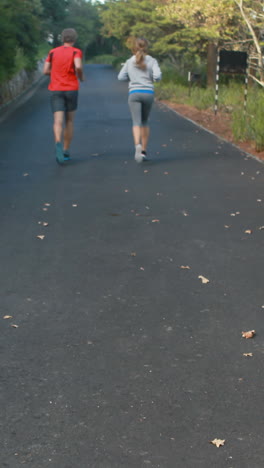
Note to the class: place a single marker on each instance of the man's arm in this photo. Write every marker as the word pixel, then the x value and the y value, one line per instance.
pixel 79 68
pixel 46 68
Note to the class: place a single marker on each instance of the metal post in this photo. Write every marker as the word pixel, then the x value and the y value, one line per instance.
pixel 217 82
pixel 189 82
pixel 246 92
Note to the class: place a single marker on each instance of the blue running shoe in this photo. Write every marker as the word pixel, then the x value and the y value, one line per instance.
pixel 59 153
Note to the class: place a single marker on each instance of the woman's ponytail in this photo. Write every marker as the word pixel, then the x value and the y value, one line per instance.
pixel 140 51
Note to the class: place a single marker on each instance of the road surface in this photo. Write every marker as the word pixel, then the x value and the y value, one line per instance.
pixel 122 357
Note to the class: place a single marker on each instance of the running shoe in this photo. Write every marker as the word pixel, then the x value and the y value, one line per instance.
pixel 144 156
pixel 138 154
pixel 59 153
pixel 67 155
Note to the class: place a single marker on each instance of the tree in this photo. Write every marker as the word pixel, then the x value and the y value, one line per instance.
pixel 20 31
pixel 253 17
pixel 53 16
pixel 125 18
pixel 83 16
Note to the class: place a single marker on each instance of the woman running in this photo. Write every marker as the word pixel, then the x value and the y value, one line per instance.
pixel 141 70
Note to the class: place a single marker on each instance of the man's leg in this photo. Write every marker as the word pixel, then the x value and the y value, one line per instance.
pixel 58 125
pixel 68 130
pixel 58 129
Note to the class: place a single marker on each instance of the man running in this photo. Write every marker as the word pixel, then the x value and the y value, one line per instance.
pixel 64 65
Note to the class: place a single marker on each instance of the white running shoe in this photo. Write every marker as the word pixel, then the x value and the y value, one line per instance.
pixel 138 155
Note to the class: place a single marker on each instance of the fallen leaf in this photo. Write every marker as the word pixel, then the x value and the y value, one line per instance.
pixel 26 174
pixel 145 171
pixel 166 173
pixel 47 204
pixel 95 154
pixel 232 214
pixel 45 224
pixel 218 442
pixel 203 279
pixel 45 209
pixel 142 268
pixel 126 190
pixel 259 200
pixel 133 254
pixel 13 325
pixel 248 354
pixel 159 194
pixel 74 205
pixel 252 178
pixel 155 221
pixel 242 173
pixel 40 236
pixel 184 212
pixel 248 334
pixel 248 231
pixel 237 212
pixel 226 226
pixel 164 145
pixel 261 228
pixel 6 317
pixel 185 267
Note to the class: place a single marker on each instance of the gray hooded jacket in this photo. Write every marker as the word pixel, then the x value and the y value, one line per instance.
pixel 138 78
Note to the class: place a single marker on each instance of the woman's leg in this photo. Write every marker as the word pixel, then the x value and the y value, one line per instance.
pixel 144 137
pixel 146 108
pixel 135 109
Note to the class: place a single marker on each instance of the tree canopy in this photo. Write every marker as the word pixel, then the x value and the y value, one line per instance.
pixel 24 24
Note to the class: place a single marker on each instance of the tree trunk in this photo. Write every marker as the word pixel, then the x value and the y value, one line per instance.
pixel 211 63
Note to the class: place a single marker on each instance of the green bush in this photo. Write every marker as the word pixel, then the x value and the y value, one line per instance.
pixel 245 126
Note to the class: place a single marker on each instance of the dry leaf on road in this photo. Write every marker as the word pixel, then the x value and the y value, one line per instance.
pixel 40 236
pixel 155 221
pixel 6 317
pixel 47 204
pixel 248 231
pixel 133 254
pixel 14 326
pixel 218 442
pixel 185 267
pixel 248 334
pixel 203 279
pixel 248 354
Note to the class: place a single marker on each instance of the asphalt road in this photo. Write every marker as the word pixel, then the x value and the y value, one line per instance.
pixel 121 358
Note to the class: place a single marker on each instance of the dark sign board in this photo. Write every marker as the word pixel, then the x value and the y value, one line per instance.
pixel 233 62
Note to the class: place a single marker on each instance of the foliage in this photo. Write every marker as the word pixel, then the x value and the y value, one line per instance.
pixel 83 16
pixel 20 30
pixel 245 126
pixel 53 15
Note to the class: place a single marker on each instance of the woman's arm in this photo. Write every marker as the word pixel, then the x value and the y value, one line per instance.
pixel 156 71
pixel 123 74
